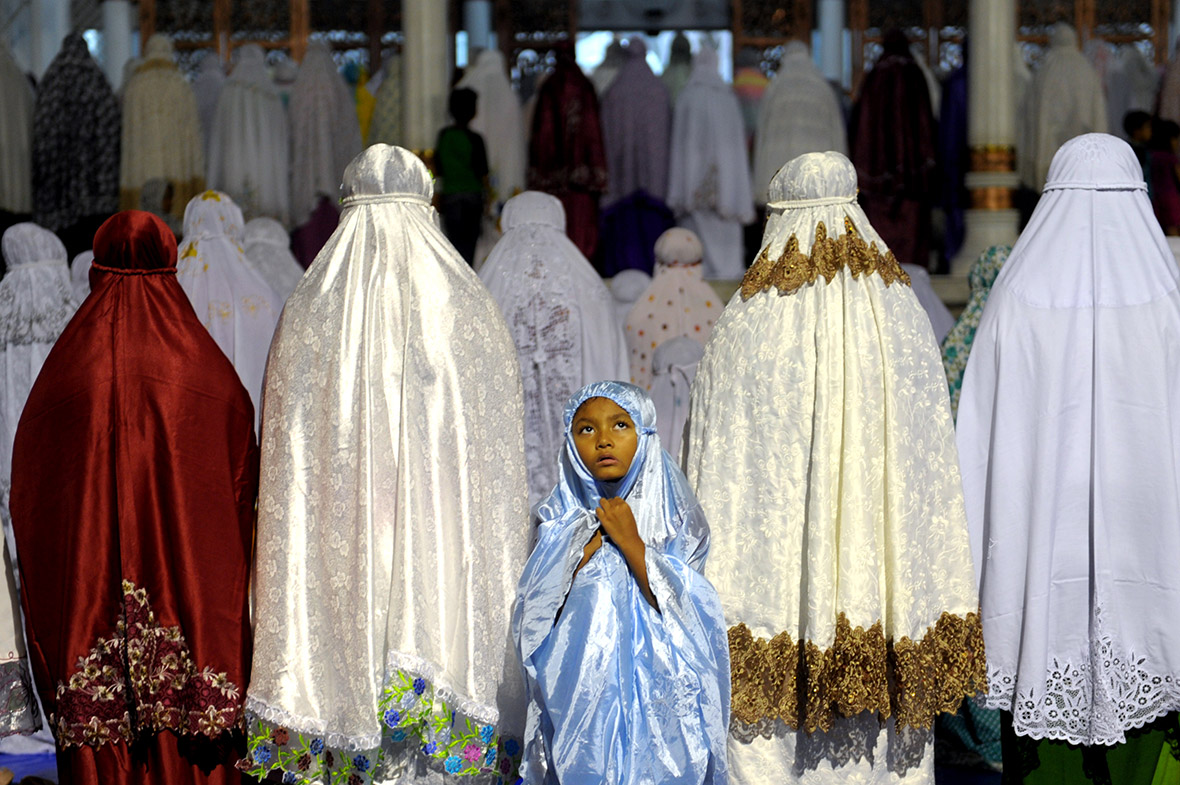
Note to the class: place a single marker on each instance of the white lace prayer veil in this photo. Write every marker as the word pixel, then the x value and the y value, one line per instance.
pixel 562 321
pixel 821 396
pixel 268 249
pixel 626 287
pixel 1068 426
pixel 393 517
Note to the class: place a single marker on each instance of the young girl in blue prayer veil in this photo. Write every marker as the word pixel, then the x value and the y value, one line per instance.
pixel 622 641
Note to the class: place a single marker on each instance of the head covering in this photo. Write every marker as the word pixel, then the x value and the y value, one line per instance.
pixel 80 275
pixel 679 68
pixel 268 250
pixel 16 136
pixel 820 444
pixel 1067 434
pixel 626 288
pixel 956 346
pixel 1064 100
pixel 500 121
pixel 799 114
pixel 892 142
pixel 75 140
pixel 674 366
pixel 677 303
pixel 133 505
pixel 394 461
pixel 709 182
pixel 636 127
pixel 207 85
pixel 562 321
pixel 234 302
pixel 161 130
pixel 606 71
pixel 1130 82
pixel 630 228
pixel 595 654
pixel 566 156
pixel 940 316
pixel 249 149
pixel 325 134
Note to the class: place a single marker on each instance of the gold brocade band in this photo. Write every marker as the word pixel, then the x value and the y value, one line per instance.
pixel 808 687
pixel 793 269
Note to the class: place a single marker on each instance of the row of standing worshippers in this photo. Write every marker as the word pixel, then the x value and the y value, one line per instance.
pixel 162 140
pixel 822 479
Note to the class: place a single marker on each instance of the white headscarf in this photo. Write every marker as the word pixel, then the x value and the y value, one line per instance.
pixel 392 514
pixel 799 114
pixel 674 366
pixel 16 136
pixel 268 250
pixel 207 88
pixel 36 303
pixel 561 317
pixel 249 149
pixel 821 447
pixel 1064 100
pixel 161 129
pixel 1068 430
pixel 625 288
pixel 709 171
pixel 678 303
pixel 80 275
pixel 235 303
pixel 500 121
pixel 325 133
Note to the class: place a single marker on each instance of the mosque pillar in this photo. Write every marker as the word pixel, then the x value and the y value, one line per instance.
pixel 831 39
pixel 992 218
pixel 426 68
pixel 50 23
pixel 118 24
pixel 477 21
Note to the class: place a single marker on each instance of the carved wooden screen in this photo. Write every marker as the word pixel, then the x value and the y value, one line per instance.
pixel 527 30
pixel 1139 23
pixel 765 26
pixel 937 28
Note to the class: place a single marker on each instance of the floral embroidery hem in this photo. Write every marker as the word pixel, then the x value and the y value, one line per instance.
pixel 414 715
pixel 144 670
pixel 808 687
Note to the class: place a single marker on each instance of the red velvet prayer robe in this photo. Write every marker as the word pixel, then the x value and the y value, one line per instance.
pixel 134 476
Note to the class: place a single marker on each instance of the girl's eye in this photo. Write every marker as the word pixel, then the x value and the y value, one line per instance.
pixel 622 426
pixel 586 429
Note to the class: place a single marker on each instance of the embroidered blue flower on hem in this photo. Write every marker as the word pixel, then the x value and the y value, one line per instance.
pixel 290 778
pixel 511 746
pixel 360 763
pixel 490 759
pixel 430 748
pixel 263 755
pixel 452 764
pixel 486 733
pixel 317 746
pixel 419 686
pixel 392 717
pixel 398 735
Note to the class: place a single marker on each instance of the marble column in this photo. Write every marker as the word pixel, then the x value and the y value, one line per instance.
pixel 49 23
pixel 426 69
pixel 991 135
pixel 477 21
pixel 831 37
pixel 118 21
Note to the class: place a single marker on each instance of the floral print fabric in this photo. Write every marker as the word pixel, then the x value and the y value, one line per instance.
pixel 957 344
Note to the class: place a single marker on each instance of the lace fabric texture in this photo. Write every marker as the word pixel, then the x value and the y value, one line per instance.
pixel 821 447
pixel 1072 383
pixel 393 521
pixel 561 317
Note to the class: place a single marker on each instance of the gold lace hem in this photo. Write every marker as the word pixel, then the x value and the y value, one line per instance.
pixel 808 687
pixel 792 270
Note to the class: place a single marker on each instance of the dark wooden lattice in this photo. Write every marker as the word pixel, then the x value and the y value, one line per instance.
pixel 768 20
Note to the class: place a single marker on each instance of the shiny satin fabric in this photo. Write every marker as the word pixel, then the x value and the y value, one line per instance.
pixel 620 692
pixel 393 516
pixel 132 504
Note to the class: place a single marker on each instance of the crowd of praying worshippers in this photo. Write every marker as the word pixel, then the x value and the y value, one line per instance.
pixel 324 462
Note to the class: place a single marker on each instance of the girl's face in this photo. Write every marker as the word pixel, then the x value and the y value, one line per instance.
pixel 605 438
